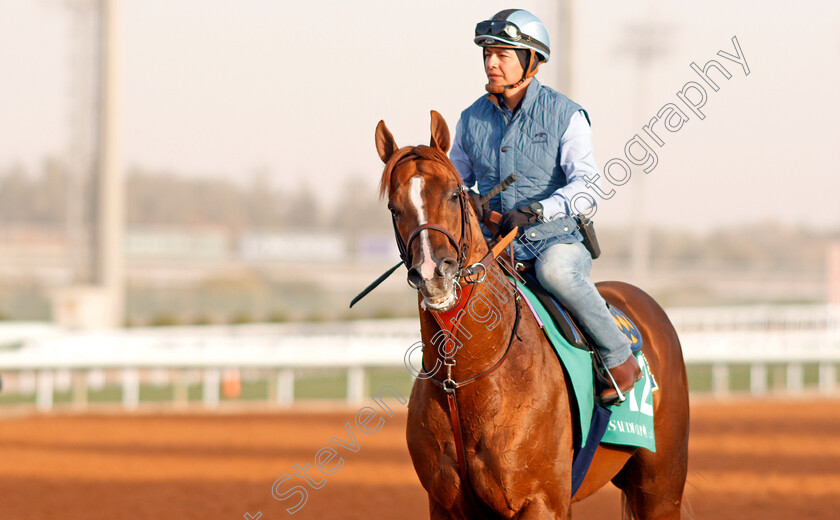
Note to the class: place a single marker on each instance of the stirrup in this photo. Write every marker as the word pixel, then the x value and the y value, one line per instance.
pixel 619 395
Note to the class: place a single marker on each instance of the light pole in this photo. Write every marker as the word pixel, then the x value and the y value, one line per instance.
pixel 83 66
pixel 96 195
pixel 564 48
pixel 110 185
pixel 644 41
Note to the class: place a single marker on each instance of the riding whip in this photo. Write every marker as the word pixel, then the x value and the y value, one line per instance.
pixel 498 189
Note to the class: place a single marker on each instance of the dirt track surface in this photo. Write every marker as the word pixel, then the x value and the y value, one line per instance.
pixel 767 459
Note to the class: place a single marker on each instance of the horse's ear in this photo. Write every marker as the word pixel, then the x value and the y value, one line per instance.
pixel 385 144
pixel 440 133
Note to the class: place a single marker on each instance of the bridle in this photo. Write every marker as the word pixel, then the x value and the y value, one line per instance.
pixel 449 385
pixel 461 246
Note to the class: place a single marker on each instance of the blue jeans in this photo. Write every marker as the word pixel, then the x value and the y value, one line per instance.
pixel 563 269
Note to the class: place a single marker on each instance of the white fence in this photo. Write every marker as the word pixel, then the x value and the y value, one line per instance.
pixel 791 336
pixel 44 358
pixel 78 359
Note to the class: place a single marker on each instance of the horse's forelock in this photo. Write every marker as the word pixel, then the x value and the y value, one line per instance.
pixel 424 152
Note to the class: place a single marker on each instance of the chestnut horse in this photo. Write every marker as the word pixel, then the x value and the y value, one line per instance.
pixel 490 428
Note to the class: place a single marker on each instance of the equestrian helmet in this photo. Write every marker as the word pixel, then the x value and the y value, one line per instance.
pixel 515 28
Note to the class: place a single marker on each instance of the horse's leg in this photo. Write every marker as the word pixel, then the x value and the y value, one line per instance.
pixel 606 463
pixel 539 510
pixel 438 512
pixel 654 482
pixel 650 498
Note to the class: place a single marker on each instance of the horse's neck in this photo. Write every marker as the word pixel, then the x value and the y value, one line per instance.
pixel 478 333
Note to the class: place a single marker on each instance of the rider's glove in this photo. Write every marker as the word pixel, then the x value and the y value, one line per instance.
pixel 481 210
pixel 522 216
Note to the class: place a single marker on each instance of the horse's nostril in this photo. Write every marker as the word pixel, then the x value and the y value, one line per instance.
pixel 414 278
pixel 446 267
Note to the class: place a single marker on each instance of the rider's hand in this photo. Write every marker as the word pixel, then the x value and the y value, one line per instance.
pixel 522 216
pixel 481 210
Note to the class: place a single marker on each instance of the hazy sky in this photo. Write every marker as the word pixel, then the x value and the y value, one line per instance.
pixel 227 88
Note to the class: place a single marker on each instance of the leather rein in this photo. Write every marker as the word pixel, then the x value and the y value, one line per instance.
pixel 449 385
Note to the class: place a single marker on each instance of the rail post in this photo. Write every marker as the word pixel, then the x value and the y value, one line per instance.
pixel 355 385
pixel 44 391
pixel 828 377
pixel 80 389
pixel 758 379
pixel 285 395
pixel 130 388
pixel 720 379
pixel 794 376
pixel 210 387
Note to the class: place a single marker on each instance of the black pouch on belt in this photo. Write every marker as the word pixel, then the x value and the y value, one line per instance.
pixel 590 241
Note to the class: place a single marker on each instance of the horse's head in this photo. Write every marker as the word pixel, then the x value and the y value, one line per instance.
pixel 430 211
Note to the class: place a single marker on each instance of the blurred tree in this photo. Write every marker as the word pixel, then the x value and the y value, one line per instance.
pixel 34 199
pixel 301 211
pixel 360 210
pixel 265 204
pixel 162 198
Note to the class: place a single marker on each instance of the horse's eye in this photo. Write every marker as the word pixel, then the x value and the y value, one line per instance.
pixel 394 211
pixel 455 195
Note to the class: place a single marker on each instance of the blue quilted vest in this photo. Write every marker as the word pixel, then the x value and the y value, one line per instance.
pixel 528 146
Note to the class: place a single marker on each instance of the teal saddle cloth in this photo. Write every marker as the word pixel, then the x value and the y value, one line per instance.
pixel 629 423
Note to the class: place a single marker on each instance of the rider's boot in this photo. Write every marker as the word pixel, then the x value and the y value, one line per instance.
pixel 623 377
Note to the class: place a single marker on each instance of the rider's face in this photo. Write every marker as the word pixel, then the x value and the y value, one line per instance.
pixel 502 66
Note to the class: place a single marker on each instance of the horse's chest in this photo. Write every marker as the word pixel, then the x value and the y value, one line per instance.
pixel 515 441
pixel 504 457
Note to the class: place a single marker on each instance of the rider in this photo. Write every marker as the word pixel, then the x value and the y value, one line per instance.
pixel 544 137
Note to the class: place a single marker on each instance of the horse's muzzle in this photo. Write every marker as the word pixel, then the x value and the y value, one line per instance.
pixel 439 291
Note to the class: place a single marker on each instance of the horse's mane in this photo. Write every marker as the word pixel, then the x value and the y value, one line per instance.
pixel 423 152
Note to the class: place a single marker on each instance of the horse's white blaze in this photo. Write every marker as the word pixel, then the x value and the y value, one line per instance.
pixel 427 266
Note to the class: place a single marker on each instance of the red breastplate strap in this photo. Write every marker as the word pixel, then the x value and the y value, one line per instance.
pixel 451 386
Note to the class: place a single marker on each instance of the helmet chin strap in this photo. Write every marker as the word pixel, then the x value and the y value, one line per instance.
pixel 498 89
pixel 533 65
